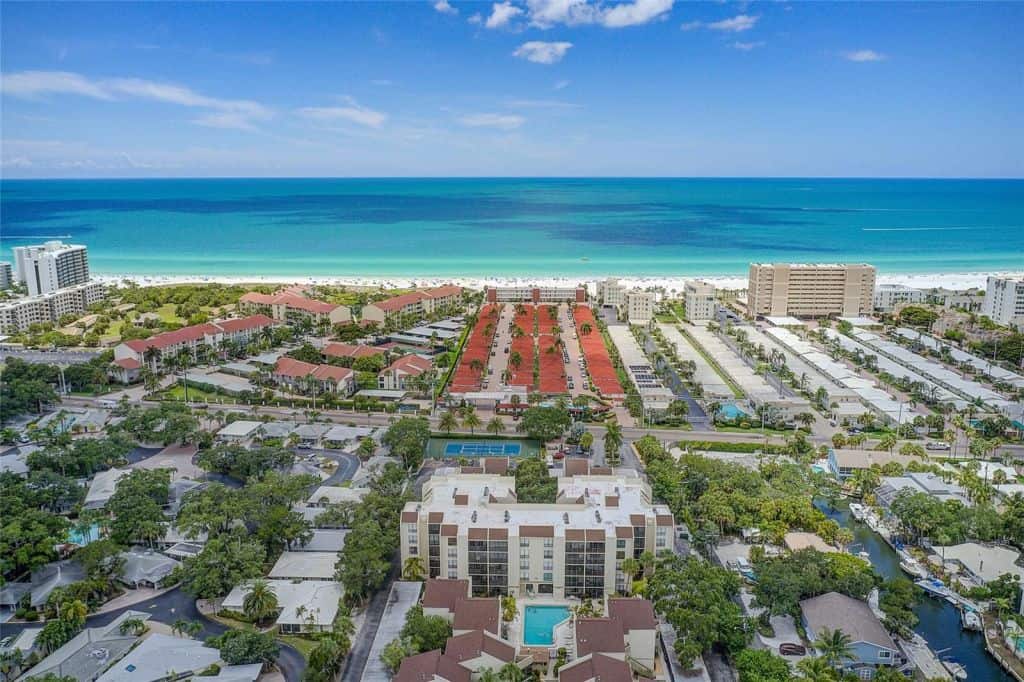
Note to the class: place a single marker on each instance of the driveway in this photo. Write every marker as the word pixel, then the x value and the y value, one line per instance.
pixel 168 608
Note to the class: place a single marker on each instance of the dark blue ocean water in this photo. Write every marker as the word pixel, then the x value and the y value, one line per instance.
pixel 474 227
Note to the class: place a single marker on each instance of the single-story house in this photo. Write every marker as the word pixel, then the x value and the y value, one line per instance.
pixel 239 432
pixel 311 435
pixel 919 482
pixel 146 568
pixel 326 495
pixel 795 541
pixel 324 540
pixel 306 606
pixel 77 658
pixel 102 488
pixel 159 654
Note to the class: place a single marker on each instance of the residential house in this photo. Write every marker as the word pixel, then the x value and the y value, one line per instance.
pixel 164 657
pixel 303 606
pixel 870 644
pixel 87 654
pixel 349 352
pixel 146 568
pixel 304 566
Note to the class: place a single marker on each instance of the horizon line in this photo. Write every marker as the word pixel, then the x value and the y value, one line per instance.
pixel 514 177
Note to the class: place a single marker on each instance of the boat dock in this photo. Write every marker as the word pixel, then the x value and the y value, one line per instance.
pixel 924 659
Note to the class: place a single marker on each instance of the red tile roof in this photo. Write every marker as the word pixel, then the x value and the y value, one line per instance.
pixel 128 363
pixel 413 365
pixel 290 299
pixel 290 367
pixel 444 291
pixel 241 324
pixel 332 373
pixel 597 667
pixel 351 350
pixel 398 302
pixel 167 339
pixel 257 298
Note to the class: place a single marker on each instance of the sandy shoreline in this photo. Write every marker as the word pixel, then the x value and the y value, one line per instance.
pixel 963 280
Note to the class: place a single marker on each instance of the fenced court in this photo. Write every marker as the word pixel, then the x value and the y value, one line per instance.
pixel 452 448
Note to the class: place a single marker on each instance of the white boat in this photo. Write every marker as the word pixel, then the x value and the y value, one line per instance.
pixel 934 588
pixel 857 510
pixel 913 568
pixel 864 555
pixel 970 620
pixel 955 669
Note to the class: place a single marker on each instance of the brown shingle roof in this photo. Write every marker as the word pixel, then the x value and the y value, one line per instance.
pixel 576 467
pixel 470 645
pixel 444 594
pixel 836 611
pixel 496 465
pixel 634 614
pixel 597 668
pixel 418 668
pixel 599 635
pixel 477 614
pixel 536 531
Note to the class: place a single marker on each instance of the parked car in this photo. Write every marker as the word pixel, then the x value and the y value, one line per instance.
pixel 790 649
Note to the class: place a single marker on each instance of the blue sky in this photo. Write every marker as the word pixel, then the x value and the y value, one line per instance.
pixel 519 87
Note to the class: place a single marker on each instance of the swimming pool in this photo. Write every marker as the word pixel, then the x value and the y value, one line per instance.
pixel 731 411
pixel 76 537
pixel 539 623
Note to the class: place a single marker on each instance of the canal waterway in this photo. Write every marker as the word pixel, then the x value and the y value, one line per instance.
pixel 939 620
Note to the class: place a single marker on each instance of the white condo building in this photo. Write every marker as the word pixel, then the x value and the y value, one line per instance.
pixel 1004 301
pixel 45 268
pixel 611 292
pixel 6 275
pixel 810 289
pixel 18 315
pixel 640 306
pixel 888 296
pixel 699 298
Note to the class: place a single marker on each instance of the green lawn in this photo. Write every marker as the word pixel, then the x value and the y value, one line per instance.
pixel 301 644
pixel 177 392
pixel 755 430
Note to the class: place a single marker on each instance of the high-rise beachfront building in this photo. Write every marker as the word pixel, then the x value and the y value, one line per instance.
pixel 810 289
pixel 699 298
pixel 611 292
pixel 470 526
pixel 1004 301
pixel 45 268
pixel 6 275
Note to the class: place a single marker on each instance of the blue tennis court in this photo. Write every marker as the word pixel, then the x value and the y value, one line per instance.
pixel 462 449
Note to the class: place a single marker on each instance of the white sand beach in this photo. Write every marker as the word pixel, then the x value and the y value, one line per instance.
pixel 958 281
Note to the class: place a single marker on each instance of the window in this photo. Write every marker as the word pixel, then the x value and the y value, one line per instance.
pixel 620 544
pixel 524 542
pixel 549 542
pixel 524 564
pixel 453 563
pixel 884 654
pixel 549 565
pixel 524 553
pixel 549 554
pixel 547 577
pixel 452 575
pixel 524 575
pixel 453 552
pixel 413 549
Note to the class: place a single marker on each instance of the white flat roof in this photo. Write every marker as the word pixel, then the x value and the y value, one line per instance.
pixel 305 565
pixel 240 429
pixel 319 597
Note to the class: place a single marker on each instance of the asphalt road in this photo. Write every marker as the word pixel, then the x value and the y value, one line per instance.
pixel 168 608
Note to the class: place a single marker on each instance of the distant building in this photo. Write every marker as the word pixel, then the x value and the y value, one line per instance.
pixel 640 306
pixel 18 315
pixel 289 306
pixel 611 292
pixel 301 376
pixel 1004 301
pixel 810 289
pixel 420 303
pixel 870 644
pixel 919 482
pixel 532 294
pixel 969 301
pixel 888 296
pixel 45 268
pixel 6 275
pixel 699 299
pixel 398 374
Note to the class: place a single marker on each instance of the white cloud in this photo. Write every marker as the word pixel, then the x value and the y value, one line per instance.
pixel 864 56
pixel 17 162
pixel 747 47
pixel 352 112
pixel 548 13
pixel 501 14
pixel 223 113
pixel 541 104
pixel 476 19
pixel 443 7
pixel 542 52
pixel 635 13
pixel 737 24
pixel 691 25
pixel 498 121
pixel 561 85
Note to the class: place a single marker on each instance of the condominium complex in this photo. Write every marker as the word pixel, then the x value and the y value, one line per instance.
pixel 6 275
pixel 640 306
pixel 699 299
pixel 611 292
pixel 1004 301
pixel 810 289
pixel 531 294
pixel 421 302
pixel 45 268
pixel 18 315
pixel 888 296
pixel 162 348
pixel 470 526
pixel 291 306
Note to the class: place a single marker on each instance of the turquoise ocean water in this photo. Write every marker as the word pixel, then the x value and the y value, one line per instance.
pixel 507 227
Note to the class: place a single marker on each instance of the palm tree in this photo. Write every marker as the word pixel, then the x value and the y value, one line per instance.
pixel 260 602
pixel 510 672
pixel 133 626
pixel 515 360
pixel 413 569
pixel 586 328
pixel 805 418
pixel 816 669
pixel 487 675
pixel 448 422
pixel 471 420
pixel 612 443
pixel 496 425
pixel 179 626
pixel 887 442
pixel 835 646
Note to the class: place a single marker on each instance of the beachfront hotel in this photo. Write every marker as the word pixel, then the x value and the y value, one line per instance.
pixel 810 289
pixel 45 268
pixel 1004 301
pixel 21 313
pixel 470 526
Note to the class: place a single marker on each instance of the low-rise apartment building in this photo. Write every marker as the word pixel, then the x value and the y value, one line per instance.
pixel 611 292
pixel 699 299
pixel 159 349
pixel 810 289
pixel 888 296
pixel 304 377
pixel 289 306
pixel 536 294
pixel 18 315
pixel 640 306
pixel 419 303
pixel 399 374
pixel 471 527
